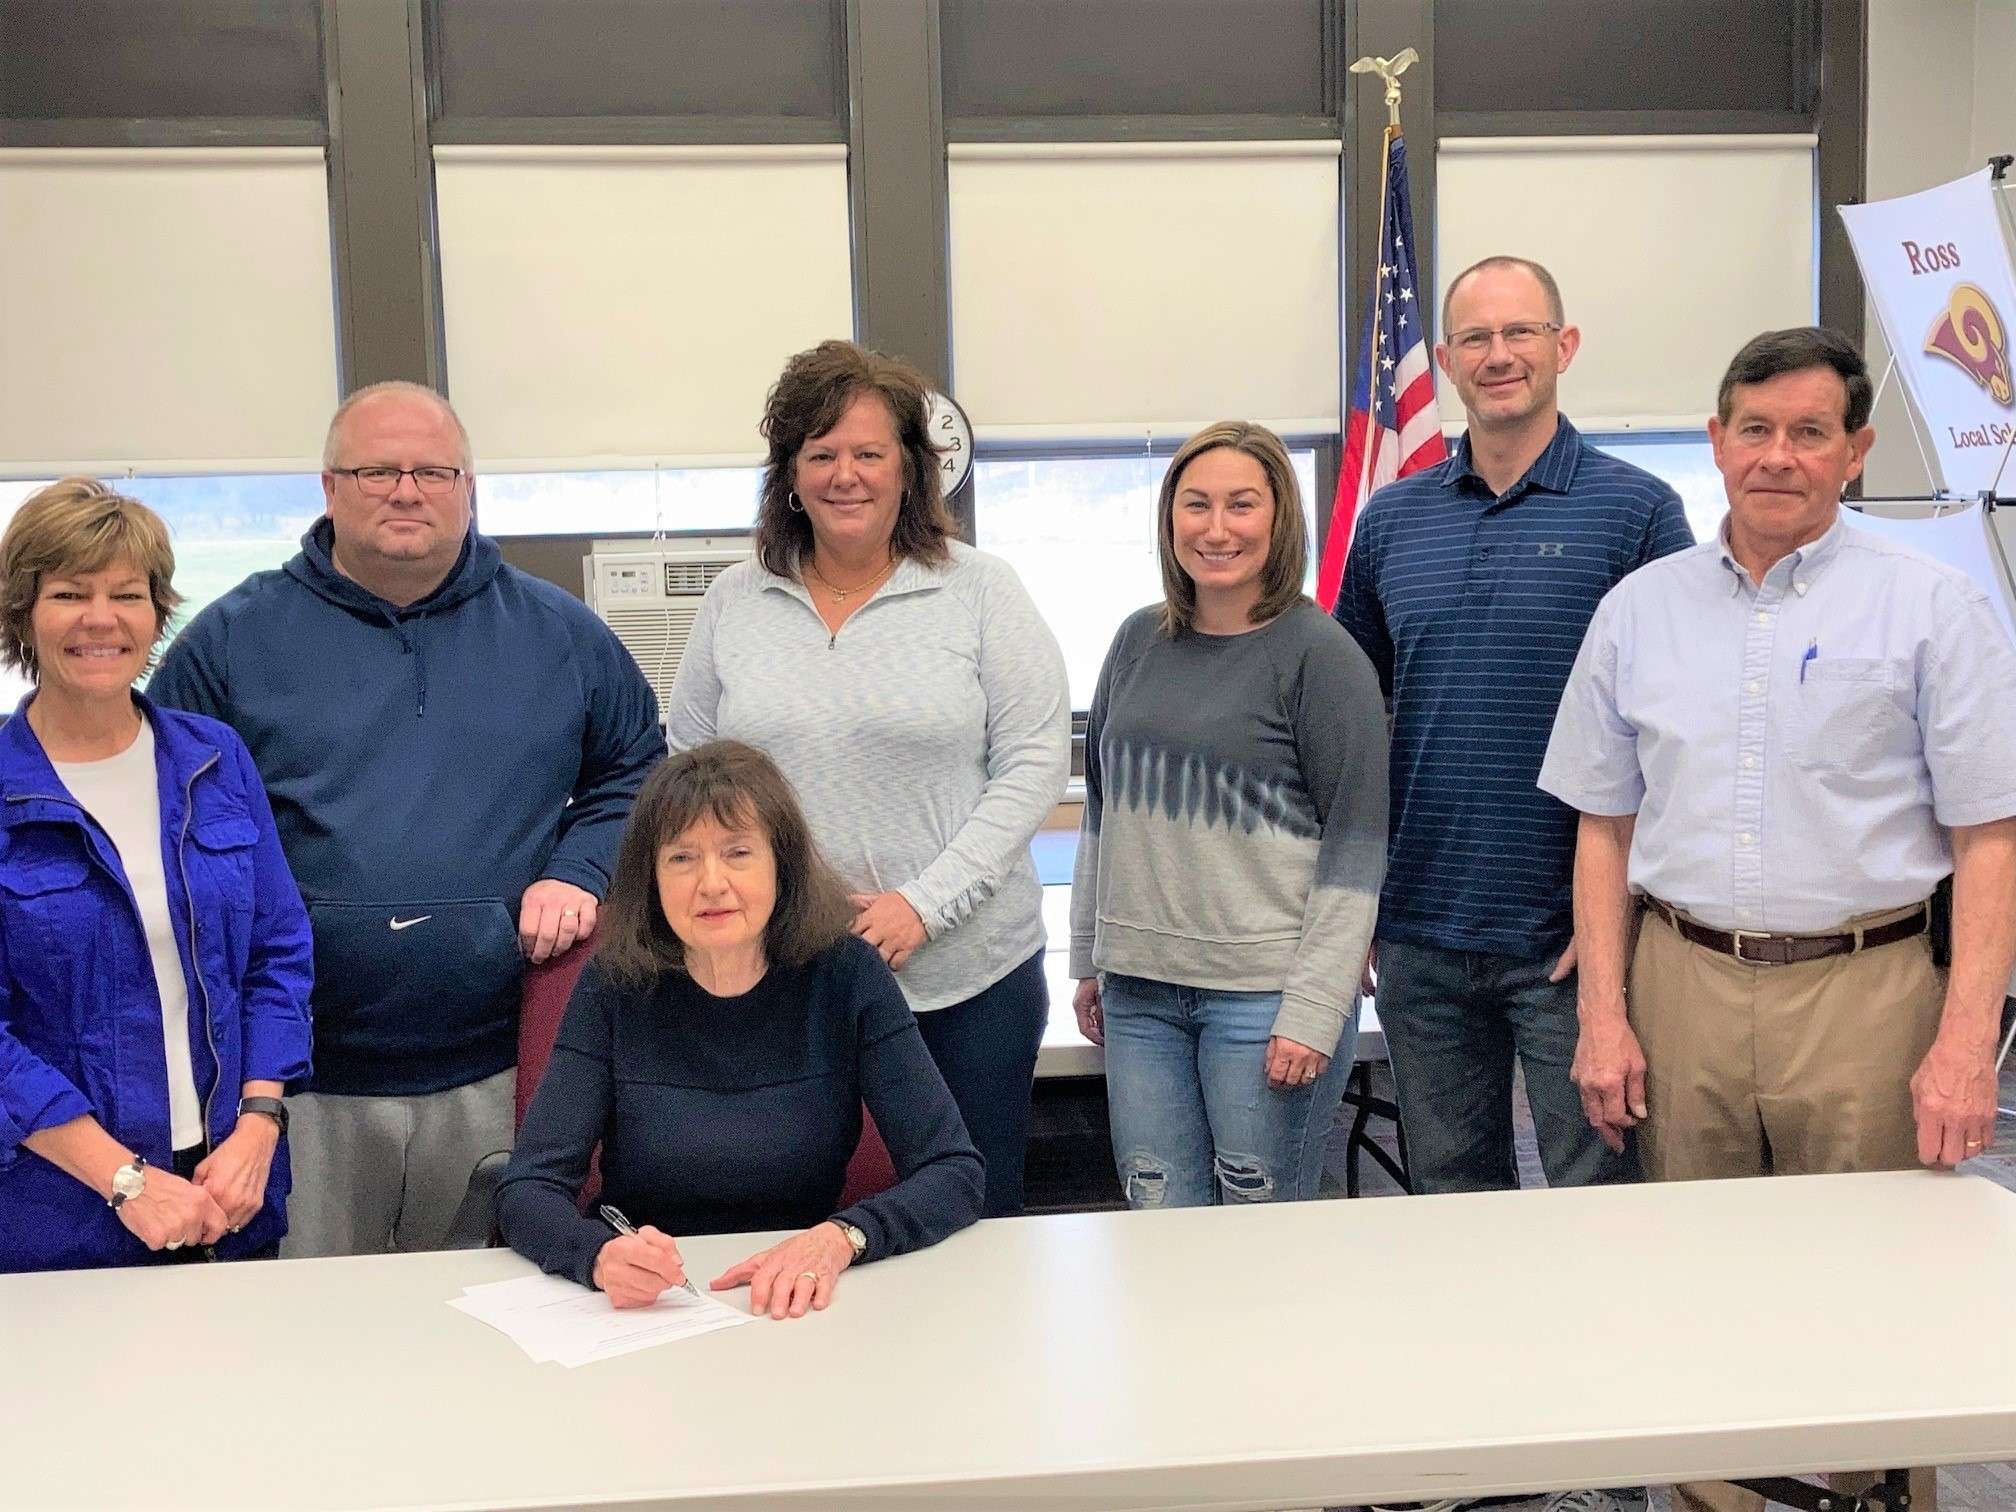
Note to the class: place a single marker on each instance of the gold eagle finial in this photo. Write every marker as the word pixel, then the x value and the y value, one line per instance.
pixel 1390 70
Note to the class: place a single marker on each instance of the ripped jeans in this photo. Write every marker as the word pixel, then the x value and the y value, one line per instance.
pixel 1194 1122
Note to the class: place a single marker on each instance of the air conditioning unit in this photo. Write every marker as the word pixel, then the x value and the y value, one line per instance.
pixel 649 593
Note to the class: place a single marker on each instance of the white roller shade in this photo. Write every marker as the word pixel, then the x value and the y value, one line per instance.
pixel 1671 252
pixel 164 310
pixel 1116 289
pixel 625 307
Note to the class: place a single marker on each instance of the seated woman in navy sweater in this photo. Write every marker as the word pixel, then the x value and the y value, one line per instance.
pixel 719 1048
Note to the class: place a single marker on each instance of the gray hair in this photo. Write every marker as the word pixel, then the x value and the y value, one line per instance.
pixel 394 386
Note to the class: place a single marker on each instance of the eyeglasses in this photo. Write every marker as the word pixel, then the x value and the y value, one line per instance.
pixel 380 481
pixel 1522 336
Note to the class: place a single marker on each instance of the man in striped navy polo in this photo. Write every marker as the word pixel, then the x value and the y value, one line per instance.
pixel 1470 585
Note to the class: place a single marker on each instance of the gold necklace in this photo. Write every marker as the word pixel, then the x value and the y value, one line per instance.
pixel 841 595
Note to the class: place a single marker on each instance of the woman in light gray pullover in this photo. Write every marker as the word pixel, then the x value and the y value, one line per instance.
pixel 908 688
pixel 1232 847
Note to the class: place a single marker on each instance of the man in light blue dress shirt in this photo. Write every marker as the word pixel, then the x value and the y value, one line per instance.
pixel 1780 742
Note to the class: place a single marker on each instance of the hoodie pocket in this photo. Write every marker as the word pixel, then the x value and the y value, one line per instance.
pixel 396 981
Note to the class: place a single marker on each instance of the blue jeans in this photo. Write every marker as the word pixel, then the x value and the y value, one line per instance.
pixel 1454 1021
pixel 1194 1122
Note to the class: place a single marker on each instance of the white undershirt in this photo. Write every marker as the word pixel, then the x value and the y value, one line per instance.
pixel 120 792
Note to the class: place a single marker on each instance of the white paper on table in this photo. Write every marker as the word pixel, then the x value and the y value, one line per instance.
pixel 552 1319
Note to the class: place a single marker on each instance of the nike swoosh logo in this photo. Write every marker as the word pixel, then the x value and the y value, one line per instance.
pixel 409 923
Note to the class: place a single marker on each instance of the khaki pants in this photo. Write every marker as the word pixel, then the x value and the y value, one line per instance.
pixel 1780 1070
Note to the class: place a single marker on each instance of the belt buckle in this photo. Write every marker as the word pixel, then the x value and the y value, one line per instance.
pixel 1738 936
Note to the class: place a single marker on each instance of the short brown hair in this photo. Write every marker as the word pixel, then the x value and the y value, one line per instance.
pixel 738 785
pixel 808 400
pixel 76 526
pixel 1287 542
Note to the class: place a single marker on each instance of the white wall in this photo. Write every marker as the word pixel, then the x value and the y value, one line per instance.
pixel 1942 97
pixel 1994 78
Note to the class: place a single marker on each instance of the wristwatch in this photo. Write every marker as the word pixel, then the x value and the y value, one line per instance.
pixel 854 1236
pixel 128 1181
pixel 272 1107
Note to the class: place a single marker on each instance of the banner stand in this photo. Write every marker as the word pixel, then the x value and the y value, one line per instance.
pixel 1989 501
pixel 1912 418
pixel 1998 179
pixel 1943 261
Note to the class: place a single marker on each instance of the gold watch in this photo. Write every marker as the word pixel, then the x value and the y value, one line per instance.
pixel 854 1236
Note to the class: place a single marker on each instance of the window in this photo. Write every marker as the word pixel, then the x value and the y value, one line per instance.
pixel 628 307
pixel 1081 533
pixel 223 529
pixel 617 503
pixel 174 311
pixel 1031 59
pixel 1684 459
pixel 548 62
pixel 1710 56
pixel 1724 227
pixel 194 60
pixel 1148 328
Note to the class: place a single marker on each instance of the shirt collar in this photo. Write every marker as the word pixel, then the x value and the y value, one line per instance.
pixel 1801 566
pixel 1553 470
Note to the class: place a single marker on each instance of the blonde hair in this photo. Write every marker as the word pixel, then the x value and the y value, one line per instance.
pixel 67 529
pixel 1287 542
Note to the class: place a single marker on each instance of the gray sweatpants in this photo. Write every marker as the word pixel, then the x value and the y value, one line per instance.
pixel 373 1174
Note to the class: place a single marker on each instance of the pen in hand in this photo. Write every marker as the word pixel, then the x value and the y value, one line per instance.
pixel 613 1216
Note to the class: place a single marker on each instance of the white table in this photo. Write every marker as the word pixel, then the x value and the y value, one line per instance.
pixel 1211 1358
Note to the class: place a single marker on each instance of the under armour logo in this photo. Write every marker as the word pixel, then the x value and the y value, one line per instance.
pixel 1552 548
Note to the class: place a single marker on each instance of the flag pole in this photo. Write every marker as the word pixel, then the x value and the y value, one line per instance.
pixel 1368 454
pixel 1388 69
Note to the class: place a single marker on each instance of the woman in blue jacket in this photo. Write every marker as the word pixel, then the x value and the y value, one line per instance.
pixel 154 954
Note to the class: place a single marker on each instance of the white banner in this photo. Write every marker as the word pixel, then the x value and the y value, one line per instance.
pixel 1937 267
pixel 1959 539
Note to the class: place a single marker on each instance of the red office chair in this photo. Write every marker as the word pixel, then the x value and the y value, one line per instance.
pixel 541 1005
pixel 542 1000
pixel 550 984
pixel 871 1170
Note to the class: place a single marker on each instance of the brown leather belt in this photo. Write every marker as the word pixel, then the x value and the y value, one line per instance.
pixel 1757 949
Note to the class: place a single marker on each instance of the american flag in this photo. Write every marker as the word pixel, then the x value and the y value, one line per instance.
pixel 1394 428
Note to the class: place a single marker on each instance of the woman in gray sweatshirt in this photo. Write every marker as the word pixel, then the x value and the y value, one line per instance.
pixel 917 702
pixel 1232 847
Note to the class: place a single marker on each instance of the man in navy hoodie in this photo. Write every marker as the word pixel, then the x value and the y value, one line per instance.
pixel 451 748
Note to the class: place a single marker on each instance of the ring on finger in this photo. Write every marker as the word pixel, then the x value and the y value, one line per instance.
pixel 173 1244
pixel 812 1276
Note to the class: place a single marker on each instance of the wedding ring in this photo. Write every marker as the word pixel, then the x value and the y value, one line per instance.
pixel 173 1244
pixel 812 1276
pixel 1973 1144
pixel 568 913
